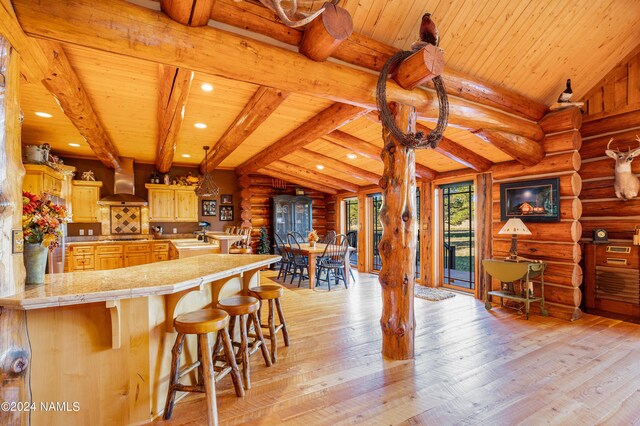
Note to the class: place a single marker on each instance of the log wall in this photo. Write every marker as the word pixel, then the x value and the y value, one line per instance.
pixel 261 192
pixel 555 243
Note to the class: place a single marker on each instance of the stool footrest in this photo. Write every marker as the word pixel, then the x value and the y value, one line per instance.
pixel 188 369
pixel 188 388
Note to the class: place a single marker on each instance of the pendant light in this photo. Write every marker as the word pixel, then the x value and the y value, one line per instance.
pixel 207 187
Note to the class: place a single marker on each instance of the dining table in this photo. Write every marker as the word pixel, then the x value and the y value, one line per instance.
pixel 312 254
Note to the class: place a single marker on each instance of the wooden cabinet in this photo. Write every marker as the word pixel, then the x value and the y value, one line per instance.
pixel 292 213
pixel 40 180
pixel 109 257
pixel 82 258
pixel 137 254
pixel 172 203
pixel 159 252
pixel 84 199
pixel 186 205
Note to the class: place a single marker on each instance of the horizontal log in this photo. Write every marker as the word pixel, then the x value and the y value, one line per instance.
pixel 339 166
pixel 598 189
pixel 323 35
pixel 194 13
pixel 570 186
pixel 595 147
pixel 313 176
pixel 297 180
pixel 557 163
pixel 560 142
pixel 603 168
pixel 616 208
pixel 521 149
pixel 564 295
pixel 260 180
pixel 610 124
pixel 565 232
pixel 568 274
pixel 372 54
pixel 559 252
pixel 157 38
pixel 562 120
pixel 621 228
pixel 557 310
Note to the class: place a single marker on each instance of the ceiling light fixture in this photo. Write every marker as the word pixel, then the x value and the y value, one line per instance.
pixel 351 156
pixel 319 166
pixel 186 155
pixel 207 87
pixel 200 125
pixel 207 187
pixel 43 114
pixel 73 144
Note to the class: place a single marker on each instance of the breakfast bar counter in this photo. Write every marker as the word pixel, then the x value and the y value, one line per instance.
pixel 101 340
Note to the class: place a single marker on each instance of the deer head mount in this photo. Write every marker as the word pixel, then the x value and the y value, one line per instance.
pixel 627 184
pixel 290 15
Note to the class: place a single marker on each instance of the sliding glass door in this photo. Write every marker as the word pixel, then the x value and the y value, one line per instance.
pixel 457 236
pixel 351 226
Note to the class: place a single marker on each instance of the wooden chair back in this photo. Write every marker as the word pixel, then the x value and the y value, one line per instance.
pixel 331 235
pixel 298 236
pixel 334 252
pixel 280 247
pixel 295 250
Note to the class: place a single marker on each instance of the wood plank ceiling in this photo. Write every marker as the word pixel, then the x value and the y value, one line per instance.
pixel 527 47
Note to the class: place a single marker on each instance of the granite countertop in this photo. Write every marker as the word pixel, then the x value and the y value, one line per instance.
pixel 177 242
pixel 152 279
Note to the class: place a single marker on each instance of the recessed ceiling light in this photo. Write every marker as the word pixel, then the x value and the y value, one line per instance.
pixel 200 125
pixel 319 166
pixel 186 155
pixel 43 114
pixel 75 145
pixel 207 87
pixel 352 156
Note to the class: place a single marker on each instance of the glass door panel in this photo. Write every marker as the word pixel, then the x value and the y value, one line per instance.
pixel 458 239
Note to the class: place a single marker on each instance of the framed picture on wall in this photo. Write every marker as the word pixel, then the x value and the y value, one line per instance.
pixel 531 201
pixel 209 207
pixel 226 199
pixel 226 213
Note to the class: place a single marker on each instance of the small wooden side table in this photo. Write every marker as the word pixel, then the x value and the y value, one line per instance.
pixel 507 272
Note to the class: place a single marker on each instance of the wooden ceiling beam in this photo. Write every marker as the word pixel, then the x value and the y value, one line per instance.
pixel 174 84
pixel 371 151
pixel 313 176
pixel 194 13
pixel 458 153
pixel 339 166
pixel 368 53
pixel 46 62
pixel 108 27
pixel 333 117
pixel 269 171
pixel 260 107
pixel 523 150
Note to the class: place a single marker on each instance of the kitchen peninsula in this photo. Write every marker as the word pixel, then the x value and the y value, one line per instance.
pixel 112 332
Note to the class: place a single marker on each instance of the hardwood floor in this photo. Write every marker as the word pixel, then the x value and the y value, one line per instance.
pixel 471 367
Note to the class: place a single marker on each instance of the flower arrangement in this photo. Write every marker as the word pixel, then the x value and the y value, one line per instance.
pixel 42 220
pixel 312 237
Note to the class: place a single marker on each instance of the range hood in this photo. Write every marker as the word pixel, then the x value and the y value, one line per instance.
pixel 124 188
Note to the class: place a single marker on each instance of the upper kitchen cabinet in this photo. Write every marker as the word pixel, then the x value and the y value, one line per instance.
pixel 172 203
pixel 41 180
pixel 84 199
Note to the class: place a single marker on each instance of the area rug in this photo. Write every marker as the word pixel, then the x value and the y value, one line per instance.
pixel 432 294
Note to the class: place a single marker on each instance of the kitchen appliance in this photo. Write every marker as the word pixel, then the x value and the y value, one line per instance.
pixel 124 215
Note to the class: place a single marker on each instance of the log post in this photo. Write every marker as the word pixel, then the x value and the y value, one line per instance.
pixel 398 244
pixel 15 350
pixel 325 33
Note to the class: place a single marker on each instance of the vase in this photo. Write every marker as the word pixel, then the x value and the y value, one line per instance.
pixel 35 262
pixel 312 244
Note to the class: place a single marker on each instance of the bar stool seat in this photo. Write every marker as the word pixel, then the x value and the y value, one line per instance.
pixel 246 308
pixel 201 323
pixel 272 293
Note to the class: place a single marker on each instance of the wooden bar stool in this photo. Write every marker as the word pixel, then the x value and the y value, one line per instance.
pixel 272 294
pixel 246 307
pixel 200 323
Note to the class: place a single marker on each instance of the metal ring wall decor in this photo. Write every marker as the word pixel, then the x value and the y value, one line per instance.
pixel 413 140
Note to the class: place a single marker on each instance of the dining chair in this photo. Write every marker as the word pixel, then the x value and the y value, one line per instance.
pixel 330 236
pixel 300 261
pixel 287 261
pixel 299 237
pixel 332 261
pixel 352 239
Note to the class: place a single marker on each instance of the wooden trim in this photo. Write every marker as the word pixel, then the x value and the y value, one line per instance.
pixel 296 180
pixel 174 86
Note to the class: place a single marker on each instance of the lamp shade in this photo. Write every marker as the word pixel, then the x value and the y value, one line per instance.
pixel 515 226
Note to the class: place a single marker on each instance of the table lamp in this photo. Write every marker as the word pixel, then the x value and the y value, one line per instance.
pixel 514 227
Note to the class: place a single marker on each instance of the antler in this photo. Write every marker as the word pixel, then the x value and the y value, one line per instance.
pixel 610 140
pixel 276 6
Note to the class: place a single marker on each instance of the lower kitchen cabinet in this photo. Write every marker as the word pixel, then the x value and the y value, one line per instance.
pixel 102 257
